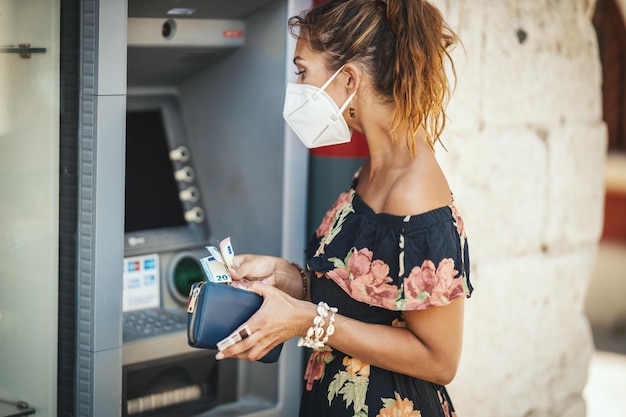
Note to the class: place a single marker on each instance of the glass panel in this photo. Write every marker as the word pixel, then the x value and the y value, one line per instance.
pixel 29 172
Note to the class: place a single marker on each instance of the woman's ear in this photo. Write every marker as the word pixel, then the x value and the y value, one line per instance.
pixel 352 77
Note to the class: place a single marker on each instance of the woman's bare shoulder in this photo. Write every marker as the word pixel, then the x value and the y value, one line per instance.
pixel 417 193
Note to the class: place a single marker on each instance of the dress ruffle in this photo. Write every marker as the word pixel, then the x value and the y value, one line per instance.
pixel 394 262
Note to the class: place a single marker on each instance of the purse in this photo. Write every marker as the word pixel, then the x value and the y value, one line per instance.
pixel 215 311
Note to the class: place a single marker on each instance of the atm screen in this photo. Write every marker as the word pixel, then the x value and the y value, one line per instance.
pixel 152 196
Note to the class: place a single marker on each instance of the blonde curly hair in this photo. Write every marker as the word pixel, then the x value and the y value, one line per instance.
pixel 402 44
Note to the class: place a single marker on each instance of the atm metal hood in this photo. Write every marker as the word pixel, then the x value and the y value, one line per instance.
pixel 164 51
pixel 169 40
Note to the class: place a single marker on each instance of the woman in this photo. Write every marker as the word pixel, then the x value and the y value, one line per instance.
pixel 388 268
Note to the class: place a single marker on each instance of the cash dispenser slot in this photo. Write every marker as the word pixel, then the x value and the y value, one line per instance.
pixel 180 386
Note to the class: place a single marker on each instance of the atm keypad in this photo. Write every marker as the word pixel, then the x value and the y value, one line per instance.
pixel 153 321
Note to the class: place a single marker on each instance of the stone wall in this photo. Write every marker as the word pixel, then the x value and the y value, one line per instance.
pixel 526 150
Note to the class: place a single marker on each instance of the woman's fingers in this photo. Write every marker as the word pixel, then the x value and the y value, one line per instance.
pixel 252 348
pixel 259 287
pixel 239 268
pixel 267 327
pixel 253 267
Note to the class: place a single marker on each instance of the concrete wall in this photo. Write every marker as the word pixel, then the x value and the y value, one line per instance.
pixel 527 147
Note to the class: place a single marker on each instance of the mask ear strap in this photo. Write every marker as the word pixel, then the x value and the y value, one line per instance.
pixel 348 100
pixel 330 80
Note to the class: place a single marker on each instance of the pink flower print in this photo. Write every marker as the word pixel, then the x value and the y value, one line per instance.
pixel 444 404
pixel 458 220
pixel 374 284
pixel 365 280
pixel 329 218
pixel 360 262
pixel 427 286
pixel 341 276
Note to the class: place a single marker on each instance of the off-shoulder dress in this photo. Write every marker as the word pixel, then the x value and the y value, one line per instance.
pixel 372 267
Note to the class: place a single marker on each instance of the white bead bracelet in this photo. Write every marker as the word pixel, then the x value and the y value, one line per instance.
pixel 313 338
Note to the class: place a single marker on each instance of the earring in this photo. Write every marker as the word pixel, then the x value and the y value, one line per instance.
pixel 352 113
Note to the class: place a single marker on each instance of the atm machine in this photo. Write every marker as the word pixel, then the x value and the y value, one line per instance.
pixel 165 229
pixel 206 157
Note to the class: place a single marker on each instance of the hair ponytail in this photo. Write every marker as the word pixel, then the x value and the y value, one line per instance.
pixel 421 89
pixel 403 44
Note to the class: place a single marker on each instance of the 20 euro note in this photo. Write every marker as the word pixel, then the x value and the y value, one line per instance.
pixel 216 264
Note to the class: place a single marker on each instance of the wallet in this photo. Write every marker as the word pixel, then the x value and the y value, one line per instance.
pixel 215 311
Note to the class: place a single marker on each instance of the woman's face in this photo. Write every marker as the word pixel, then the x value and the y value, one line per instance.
pixel 311 69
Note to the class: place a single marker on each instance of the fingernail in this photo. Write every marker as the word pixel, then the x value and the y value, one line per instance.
pixel 243 284
pixel 219 356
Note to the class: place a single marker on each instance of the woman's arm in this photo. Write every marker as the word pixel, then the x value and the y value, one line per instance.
pixel 428 348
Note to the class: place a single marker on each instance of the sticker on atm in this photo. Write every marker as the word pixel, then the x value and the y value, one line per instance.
pixel 232 33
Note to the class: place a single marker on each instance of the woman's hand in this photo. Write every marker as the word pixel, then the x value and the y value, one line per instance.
pixel 270 270
pixel 279 318
pixel 256 268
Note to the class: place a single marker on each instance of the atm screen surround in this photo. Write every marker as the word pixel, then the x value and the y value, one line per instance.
pixel 163 206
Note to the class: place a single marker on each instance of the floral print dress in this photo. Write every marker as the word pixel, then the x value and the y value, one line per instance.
pixel 372 267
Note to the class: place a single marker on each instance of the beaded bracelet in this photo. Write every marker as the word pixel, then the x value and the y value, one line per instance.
pixel 304 283
pixel 313 338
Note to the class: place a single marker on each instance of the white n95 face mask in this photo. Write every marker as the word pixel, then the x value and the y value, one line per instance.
pixel 314 116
